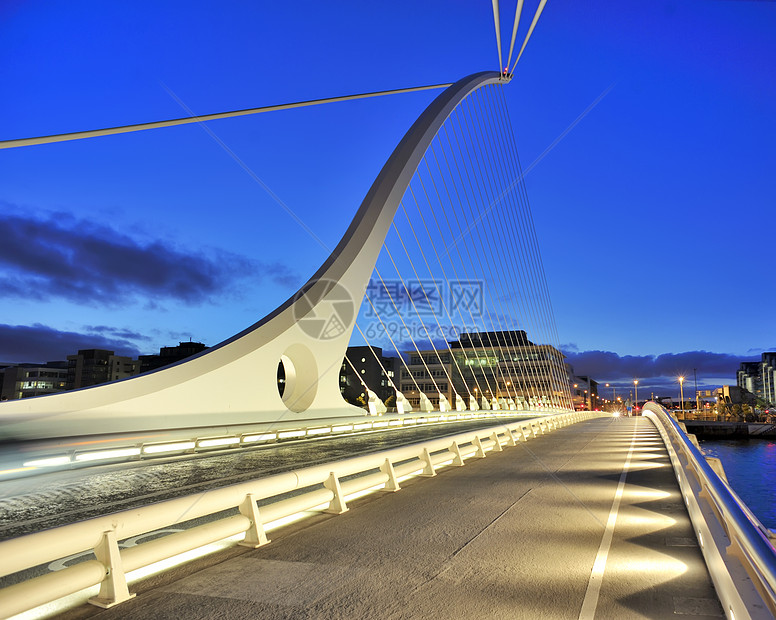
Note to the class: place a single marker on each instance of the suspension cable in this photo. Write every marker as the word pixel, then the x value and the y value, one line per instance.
pixel 518 11
pixel 108 131
pixel 530 31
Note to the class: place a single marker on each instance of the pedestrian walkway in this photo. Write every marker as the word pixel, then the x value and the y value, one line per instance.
pixel 585 522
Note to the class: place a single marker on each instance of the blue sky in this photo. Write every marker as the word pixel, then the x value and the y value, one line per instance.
pixel 655 211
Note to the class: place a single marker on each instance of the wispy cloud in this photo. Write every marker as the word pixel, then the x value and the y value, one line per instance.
pixel 116 332
pixel 59 256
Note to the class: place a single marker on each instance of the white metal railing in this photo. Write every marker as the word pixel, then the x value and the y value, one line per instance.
pixel 739 555
pixel 327 485
pixel 194 441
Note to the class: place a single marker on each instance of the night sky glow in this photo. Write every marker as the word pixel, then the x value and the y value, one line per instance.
pixel 648 128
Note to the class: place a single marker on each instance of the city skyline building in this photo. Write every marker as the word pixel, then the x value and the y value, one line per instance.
pixel 372 373
pixel 169 355
pixel 95 366
pixel 759 378
pixel 28 380
pixel 501 365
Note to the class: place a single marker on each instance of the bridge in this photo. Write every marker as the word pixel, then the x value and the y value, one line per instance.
pixel 605 517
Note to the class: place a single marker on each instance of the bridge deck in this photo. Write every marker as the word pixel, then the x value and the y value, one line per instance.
pixel 535 531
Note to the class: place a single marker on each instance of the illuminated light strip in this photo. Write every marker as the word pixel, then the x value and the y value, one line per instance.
pixel 264 437
pixel 412 474
pixel 107 454
pixel 96 441
pixel 289 434
pixel 218 441
pixel 297 516
pixel 369 491
pixel 54 461
pixel 17 470
pixel 590 602
pixel 169 447
pixel 227 441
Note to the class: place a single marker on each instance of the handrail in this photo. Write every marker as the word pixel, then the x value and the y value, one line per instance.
pixel 225 437
pixel 741 559
pixel 327 485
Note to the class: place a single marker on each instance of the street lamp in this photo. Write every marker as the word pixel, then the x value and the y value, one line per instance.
pixel 636 383
pixel 681 393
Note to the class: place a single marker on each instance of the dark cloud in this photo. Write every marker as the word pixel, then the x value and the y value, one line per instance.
pixel 40 343
pixel 60 256
pixel 657 371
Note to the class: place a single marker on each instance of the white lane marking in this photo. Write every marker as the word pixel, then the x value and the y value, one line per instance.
pixel 590 603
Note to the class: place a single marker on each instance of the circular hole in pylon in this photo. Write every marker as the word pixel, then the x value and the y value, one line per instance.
pixel 281 378
pixel 297 377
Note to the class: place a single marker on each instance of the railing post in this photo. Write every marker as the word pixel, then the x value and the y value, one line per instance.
pixel 337 505
pixel 480 454
pixel 458 460
pixel 392 484
pixel 113 589
pixel 428 470
pixel 255 536
pixel 497 444
pixel 510 438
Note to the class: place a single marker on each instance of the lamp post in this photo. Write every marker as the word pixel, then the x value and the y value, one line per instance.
pixel 681 393
pixel 636 383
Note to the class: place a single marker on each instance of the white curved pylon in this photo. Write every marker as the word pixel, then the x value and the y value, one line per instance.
pixel 235 382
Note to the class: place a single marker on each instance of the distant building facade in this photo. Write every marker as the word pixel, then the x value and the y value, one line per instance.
pixel 96 366
pixel 734 395
pixel 759 378
pixel 501 365
pixel 584 392
pixel 370 366
pixel 28 380
pixel 169 355
pixel 88 367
